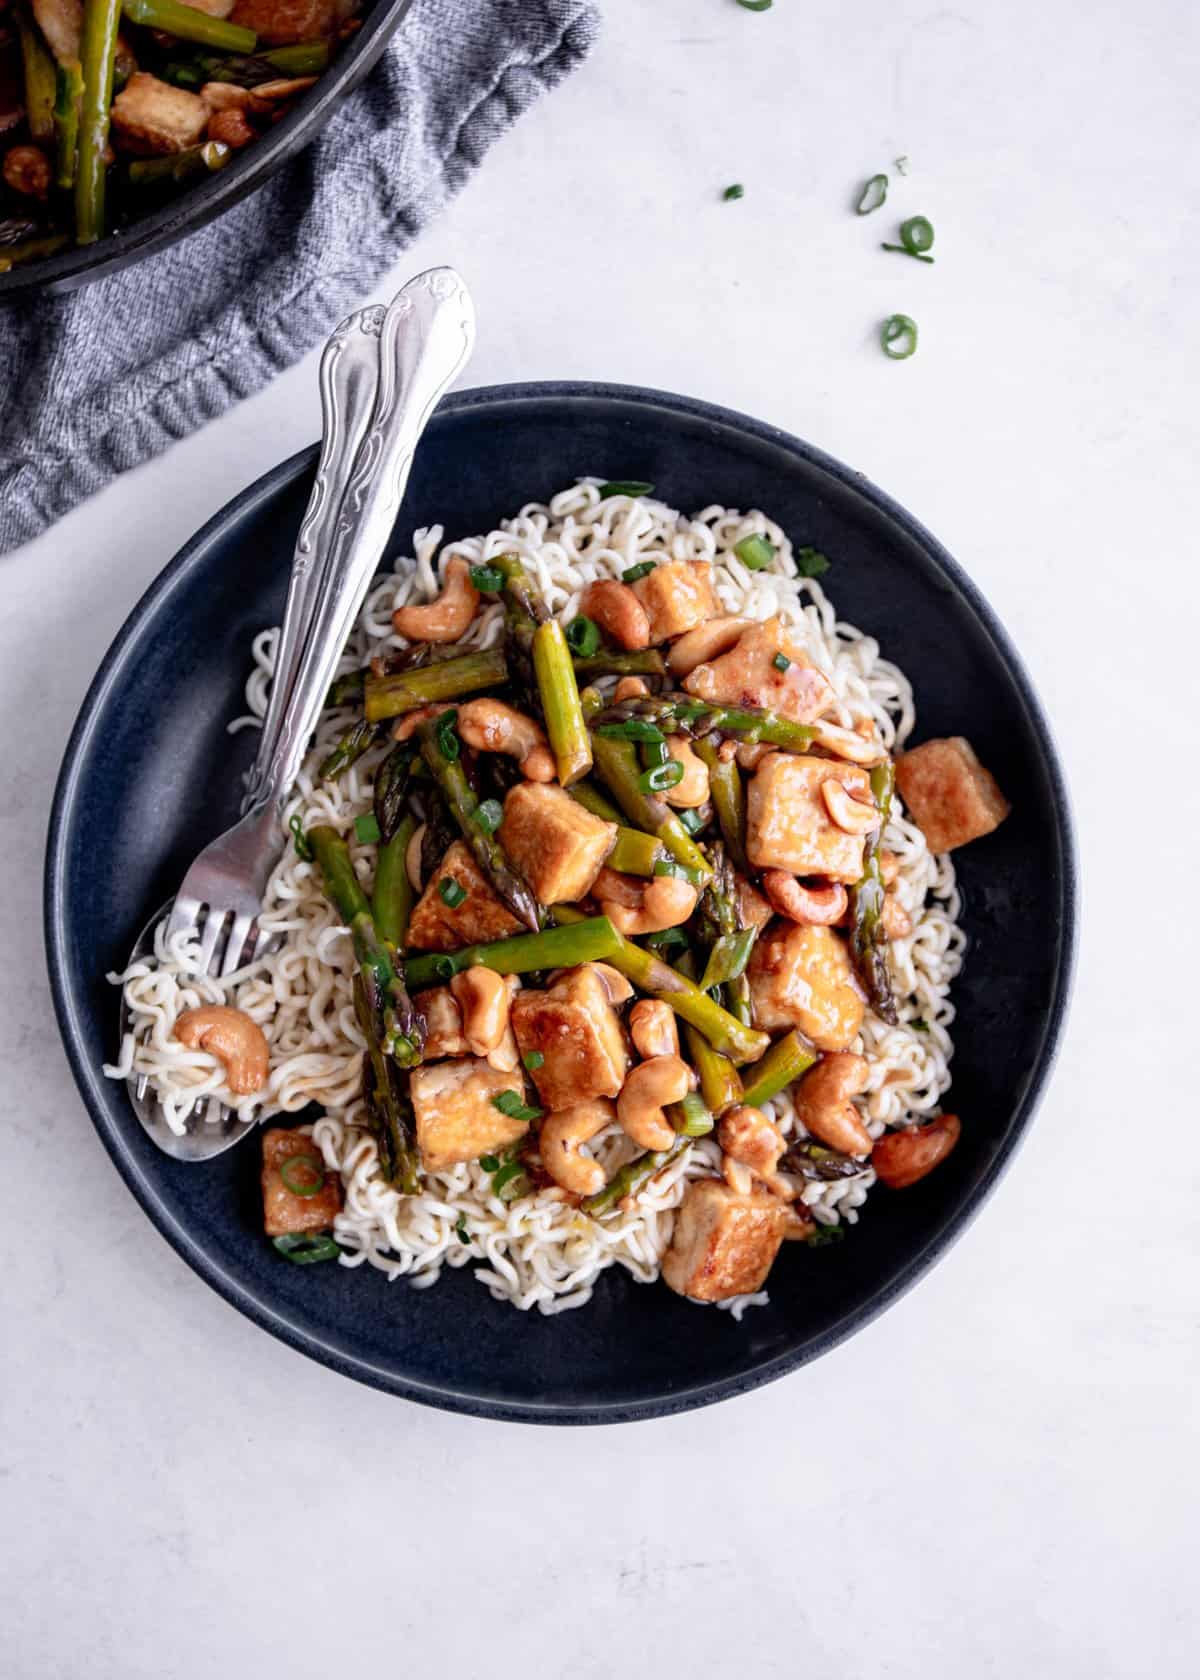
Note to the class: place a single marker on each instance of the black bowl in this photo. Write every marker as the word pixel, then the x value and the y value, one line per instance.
pixel 79 265
pixel 150 774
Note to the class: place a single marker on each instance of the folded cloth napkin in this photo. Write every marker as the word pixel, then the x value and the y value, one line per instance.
pixel 95 382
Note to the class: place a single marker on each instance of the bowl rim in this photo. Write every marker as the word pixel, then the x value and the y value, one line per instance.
pixel 80 265
pixel 92 1086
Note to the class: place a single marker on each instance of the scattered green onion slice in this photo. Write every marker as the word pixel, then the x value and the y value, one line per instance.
pixel 824 1235
pixel 511 1103
pixel 533 1059
pixel 919 1024
pixel 655 752
pixel 300 839
pixel 447 738
pixel 916 238
pixel 444 968
pixel 737 190
pixel 810 562
pixel 631 729
pixel 489 815
pixel 781 662
pixel 304 1249
pixel 873 195
pixel 508 1172
pixel 625 487
pixel 661 777
pixel 451 892
pixel 902 165
pixel 756 5
pixel 310 1185
pixel 366 829
pixel 583 637
pixel 632 573
pixel 693 820
pixel 487 579
pixel 898 335
pixel 755 552
pixel 460 1229
pixel 490 1163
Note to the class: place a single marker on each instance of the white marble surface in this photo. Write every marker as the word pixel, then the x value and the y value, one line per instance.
pixel 997 1478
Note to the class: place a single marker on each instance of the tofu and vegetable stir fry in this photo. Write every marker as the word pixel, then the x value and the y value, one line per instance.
pixel 622 905
pixel 108 106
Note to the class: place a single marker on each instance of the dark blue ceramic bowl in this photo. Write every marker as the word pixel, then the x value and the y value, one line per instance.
pixel 150 774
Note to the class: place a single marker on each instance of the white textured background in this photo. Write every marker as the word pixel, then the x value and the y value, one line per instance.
pixel 1000 1476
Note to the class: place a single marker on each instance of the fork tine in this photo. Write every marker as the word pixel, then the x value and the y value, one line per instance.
pixel 213 928
pixel 239 948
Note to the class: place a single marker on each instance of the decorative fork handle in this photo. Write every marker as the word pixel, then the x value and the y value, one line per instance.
pixel 425 337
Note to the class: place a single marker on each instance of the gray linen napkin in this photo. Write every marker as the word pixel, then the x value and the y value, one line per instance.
pixel 98 381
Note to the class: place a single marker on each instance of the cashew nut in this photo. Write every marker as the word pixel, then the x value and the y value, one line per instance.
pixel 618 612
pixel 652 1029
pixel 821 905
pixel 901 1158
pixel 895 919
pixel 629 688
pixel 412 856
pixel 491 726
pixel 889 867
pixel 446 618
pixel 406 727
pixel 286 87
pixel 823 1104
pixel 852 816
pixel 692 788
pixel 233 1038
pixel 636 906
pixel 849 744
pixel 747 1136
pixel 27 170
pixel 484 997
pixel 648 1089
pixel 750 754
pixel 705 642
pixel 618 988
pixel 561 1141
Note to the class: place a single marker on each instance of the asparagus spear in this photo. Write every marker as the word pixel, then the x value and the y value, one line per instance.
pixel 436 736
pixel 782 1065
pixel 98 50
pixel 186 23
pixel 720 1082
pixel 635 853
pixel 632 1176
pixel 388 1108
pixel 353 744
pixel 392 899
pixel 868 937
pixel 391 787
pixel 810 1159
pixel 587 939
pixel 68 96
pixel 559 695
pixel 680 714
pixel 447 679
pixel 179 167
pixel 730 943
pixel 728 796
pixel 617 766
pixel 304 58
pixel 609 662
pixel 31 250
pixel 38 67
pixel 589 796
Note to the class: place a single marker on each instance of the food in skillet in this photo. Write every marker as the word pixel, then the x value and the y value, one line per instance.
pixel 618 927
pixel 108 106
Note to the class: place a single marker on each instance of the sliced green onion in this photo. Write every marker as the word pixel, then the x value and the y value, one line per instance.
pixel 310 1186
pixel 737 190
pixel 655 752
pixel 366 829
pixel 693 820
pixel 898 335
pixel 916 238
pixel 661 777
pixel 533 1060
pixel 583 637
pixel 300 839
pixel 781 662
pixel 695 1116
pixel 756 5
pixel 625 487
pixel 460 1229
pixel 631 729
pixel 643 569
pixel 873 195
pixel 919 1024
pixel 303 1249
pixel 490 1163
pixel 489 815
pixel 487 579
pixel 512 1104
pixel 810 562
pixel 443 967
pixel 902 165
pixel 451 892
pixel 823 1235
pixel 447 739
pixel 755 552
pixel 508 1172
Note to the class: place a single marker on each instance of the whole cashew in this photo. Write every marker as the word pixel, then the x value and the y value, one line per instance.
pixel 561 1140
pixel 746 1135
pixel 705 642
pixel 647 1091
pixel 823 1104
pixel 636 906
pixel 901 1158
pixel 897 923
pixel 820 905
pixel 406 727
pixel 849 744
pixel 629 688
pixel 412 856
pixel 692 788
pixel 852 816
pixel 491 726
pixel 618 612
pixel 750 754
pixel 618 988
pixel 889 867
pixel 446 618
pixel 652 1029
pixel 484 997
pixel 233 1038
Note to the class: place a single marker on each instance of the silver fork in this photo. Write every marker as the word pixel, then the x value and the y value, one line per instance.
pixel 382 374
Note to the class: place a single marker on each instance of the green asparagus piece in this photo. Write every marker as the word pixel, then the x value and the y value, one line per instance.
pixel 587 939
pixel 728 958
pixel 487 848
pixel 729 943
pixel 31 250
pixel 680 714
pixel 392 899
pixel 188 24
pixel 631 1177
pixel 635 853
pixel 868 937
pixel 610 662
pixel 302 58
pixel 813 1160
pixel 559 694
pixel 391 787
pixel 782 1065
pixel 617 766
pixel 653 976
pixel 448 679
pixel 589 796
pixel 692 1117
pixel 178 167
pixel 728 794
pixel 68 96
pixel 353 744
pixel 387 1103
pixel 101 20
pixel 720 1082
pixel 39 70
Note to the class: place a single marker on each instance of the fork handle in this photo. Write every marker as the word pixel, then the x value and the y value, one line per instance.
pixel 425 337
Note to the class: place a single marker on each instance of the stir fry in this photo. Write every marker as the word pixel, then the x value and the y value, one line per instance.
pixel 109 106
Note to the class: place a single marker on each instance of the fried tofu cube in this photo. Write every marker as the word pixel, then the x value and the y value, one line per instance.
pixel 801 976
pixel 479 916
pixel 677 595
pixel 750 675
pixel 950 796
pixel 724 1242
pixel 279 23
pixel 285 1211
pixel 457 1118
pixel 444 1034
pixel 153 118
pixel 578 1033
pixel 553 842
pixel 787 824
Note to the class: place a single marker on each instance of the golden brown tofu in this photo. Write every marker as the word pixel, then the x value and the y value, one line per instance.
pixel 553 842
pixel 152 118
pixel 293 1155
pixel 443 1023
pixel 788 825
pixel 457 1118
pixel 801 976
pixel 677 595
pixel 724 1242
pixel 480 916
pixel 948 793
pixel 278 23
pixel 578 1033
pixel 748 676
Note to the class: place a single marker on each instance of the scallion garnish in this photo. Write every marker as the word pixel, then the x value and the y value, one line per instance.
pixel 919 1024
pixel 625 487
pixel 303 1175
pixel 898 335
pixel 447 738
pixel 366 829
pixel 737 190
pixel 655 752
pixel 304 1249
pixel 512 1104
pixel 692 820
pixel 490 1163
pixel 755 552
pixel 533 1059
pixel 756 5
pixel 902 165
pixel 300 839
pixel 781 662
pixel 583 636
pixel 873 195
pixel 631 729
pixel 451 892
pixel 489 815
pixel 506 1179
pixel 810 562
pixel 660 778
pixel 444 968
pixel 823 1235
pixel 487 579
pixel 916 237
pixel 632 573
pixel 460 1229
